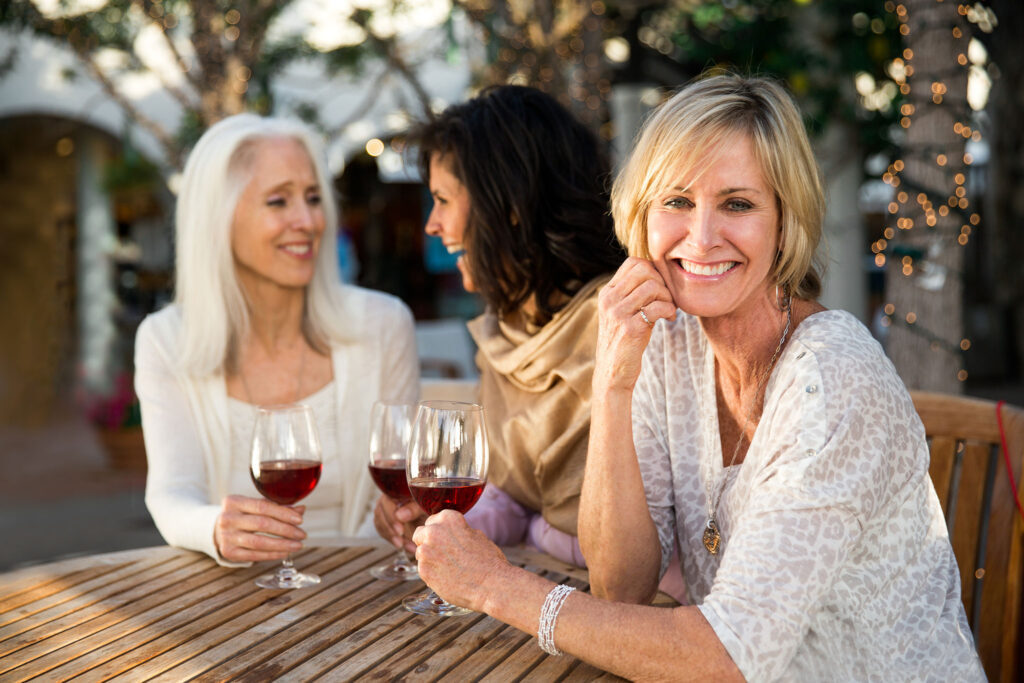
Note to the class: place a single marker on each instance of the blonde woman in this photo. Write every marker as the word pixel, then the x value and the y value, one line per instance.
pixel 734 415
pixel 260 317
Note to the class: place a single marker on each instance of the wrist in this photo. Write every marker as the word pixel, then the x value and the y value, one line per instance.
pixel 499 590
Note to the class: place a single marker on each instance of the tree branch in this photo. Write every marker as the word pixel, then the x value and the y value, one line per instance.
pixel 373 92
pixel 389 47
pixel 154 128
pixel 80 45
pixel 186 71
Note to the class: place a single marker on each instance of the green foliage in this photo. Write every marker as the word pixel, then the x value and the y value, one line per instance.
pixel 815 47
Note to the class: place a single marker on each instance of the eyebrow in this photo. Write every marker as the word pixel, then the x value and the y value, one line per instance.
pixel 289 183
pixel 728 190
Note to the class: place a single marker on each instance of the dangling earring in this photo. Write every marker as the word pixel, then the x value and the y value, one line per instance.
pixel 786 301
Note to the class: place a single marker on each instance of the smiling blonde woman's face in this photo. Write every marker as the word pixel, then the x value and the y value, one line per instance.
pixel 714 237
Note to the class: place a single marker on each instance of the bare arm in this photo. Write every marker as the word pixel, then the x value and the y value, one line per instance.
pixel 617 536
pixel 636 641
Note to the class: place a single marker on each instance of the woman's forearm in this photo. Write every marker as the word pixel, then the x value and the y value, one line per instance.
pixel 638 642
pixel 616 533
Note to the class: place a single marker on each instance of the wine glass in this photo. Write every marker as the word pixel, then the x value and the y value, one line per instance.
pixel 447 469
pixel 390 431
pixel 285 466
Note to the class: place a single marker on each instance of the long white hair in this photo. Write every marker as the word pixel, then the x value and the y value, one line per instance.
pixel 215 314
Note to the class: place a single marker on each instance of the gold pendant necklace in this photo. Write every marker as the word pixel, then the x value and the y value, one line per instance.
pixel 712 537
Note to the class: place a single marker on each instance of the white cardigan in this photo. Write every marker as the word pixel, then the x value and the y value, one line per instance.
pixel 187 430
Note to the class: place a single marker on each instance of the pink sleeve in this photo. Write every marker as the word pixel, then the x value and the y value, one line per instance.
pixel 500 517
pixel 558 544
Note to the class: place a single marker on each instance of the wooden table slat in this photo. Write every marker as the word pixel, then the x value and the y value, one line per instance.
pixel 92 602
pixel 204 616
pixel 35 576
pixel 77 647
pixel 349 633
pixel 105 579
pixel 396 653
pixel 264 637
pixel 165 614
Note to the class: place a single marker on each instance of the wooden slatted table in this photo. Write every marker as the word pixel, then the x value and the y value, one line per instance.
pixel 167 614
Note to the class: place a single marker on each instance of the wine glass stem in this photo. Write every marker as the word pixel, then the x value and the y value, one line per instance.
pixel 287 570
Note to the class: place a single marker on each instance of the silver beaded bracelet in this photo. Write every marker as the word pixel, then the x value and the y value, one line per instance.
pixel 548 617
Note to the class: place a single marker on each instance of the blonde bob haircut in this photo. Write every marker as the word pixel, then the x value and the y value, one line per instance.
pixel 680 134
pixel 215 313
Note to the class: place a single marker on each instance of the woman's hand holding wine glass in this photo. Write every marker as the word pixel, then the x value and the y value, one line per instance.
pixel 285 467
pixel 257 530
pixel 447 470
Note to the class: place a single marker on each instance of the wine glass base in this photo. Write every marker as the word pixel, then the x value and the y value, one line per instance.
pixel 295 581
pixel 396 572
pixel 430 603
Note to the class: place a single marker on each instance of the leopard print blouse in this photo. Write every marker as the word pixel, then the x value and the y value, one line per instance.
pixel 835 563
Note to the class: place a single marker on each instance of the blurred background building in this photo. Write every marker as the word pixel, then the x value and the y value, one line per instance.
pixel 912 106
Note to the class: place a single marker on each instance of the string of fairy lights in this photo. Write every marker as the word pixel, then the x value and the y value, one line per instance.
pixel 911 201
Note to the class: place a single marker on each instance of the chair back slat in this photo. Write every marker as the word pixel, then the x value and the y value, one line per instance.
pixel 972 465
pixel 943 452
pixel 986 531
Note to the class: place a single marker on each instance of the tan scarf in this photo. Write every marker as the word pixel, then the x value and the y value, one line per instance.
pixel 535 387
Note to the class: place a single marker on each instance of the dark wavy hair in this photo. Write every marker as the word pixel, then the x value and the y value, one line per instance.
pixel 539 221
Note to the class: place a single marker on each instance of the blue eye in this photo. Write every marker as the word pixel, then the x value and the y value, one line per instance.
pixel 739 205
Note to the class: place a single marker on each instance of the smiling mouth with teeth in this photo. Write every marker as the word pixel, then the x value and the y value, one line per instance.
pixel 698 269
pixel 297 249
pixel 456 249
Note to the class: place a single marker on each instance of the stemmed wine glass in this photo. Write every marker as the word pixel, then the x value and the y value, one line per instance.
pixel 285 466
pixel 390 431
pixel 447 469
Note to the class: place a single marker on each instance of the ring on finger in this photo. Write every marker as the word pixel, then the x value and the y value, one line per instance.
pixel 644 316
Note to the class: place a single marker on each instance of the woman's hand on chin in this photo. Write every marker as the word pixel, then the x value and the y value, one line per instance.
pixel 629 305
pixel 256 529
pixel 457 561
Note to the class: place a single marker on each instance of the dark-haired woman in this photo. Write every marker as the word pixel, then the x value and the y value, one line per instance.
pixel 520 192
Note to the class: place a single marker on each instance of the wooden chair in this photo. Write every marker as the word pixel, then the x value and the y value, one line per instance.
pixel 986 530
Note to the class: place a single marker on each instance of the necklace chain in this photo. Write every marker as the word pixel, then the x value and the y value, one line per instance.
pixel 712 536
pixel 298 379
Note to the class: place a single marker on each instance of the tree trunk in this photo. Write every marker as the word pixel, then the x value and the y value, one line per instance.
pixel 924 290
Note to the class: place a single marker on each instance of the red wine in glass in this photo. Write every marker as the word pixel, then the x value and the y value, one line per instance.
pixel 446 493
pixel 285 465
pixel 447 468
pixel 390 431
pixel 287 481
pixel 389 476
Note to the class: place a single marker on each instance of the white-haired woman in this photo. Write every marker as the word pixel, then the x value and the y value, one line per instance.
pixel 766 436
pixel 260 317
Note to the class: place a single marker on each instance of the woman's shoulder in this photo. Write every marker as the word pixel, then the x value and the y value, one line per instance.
pixel 841 344
pixel 161 326
pixel 372 312
pixel 834 349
